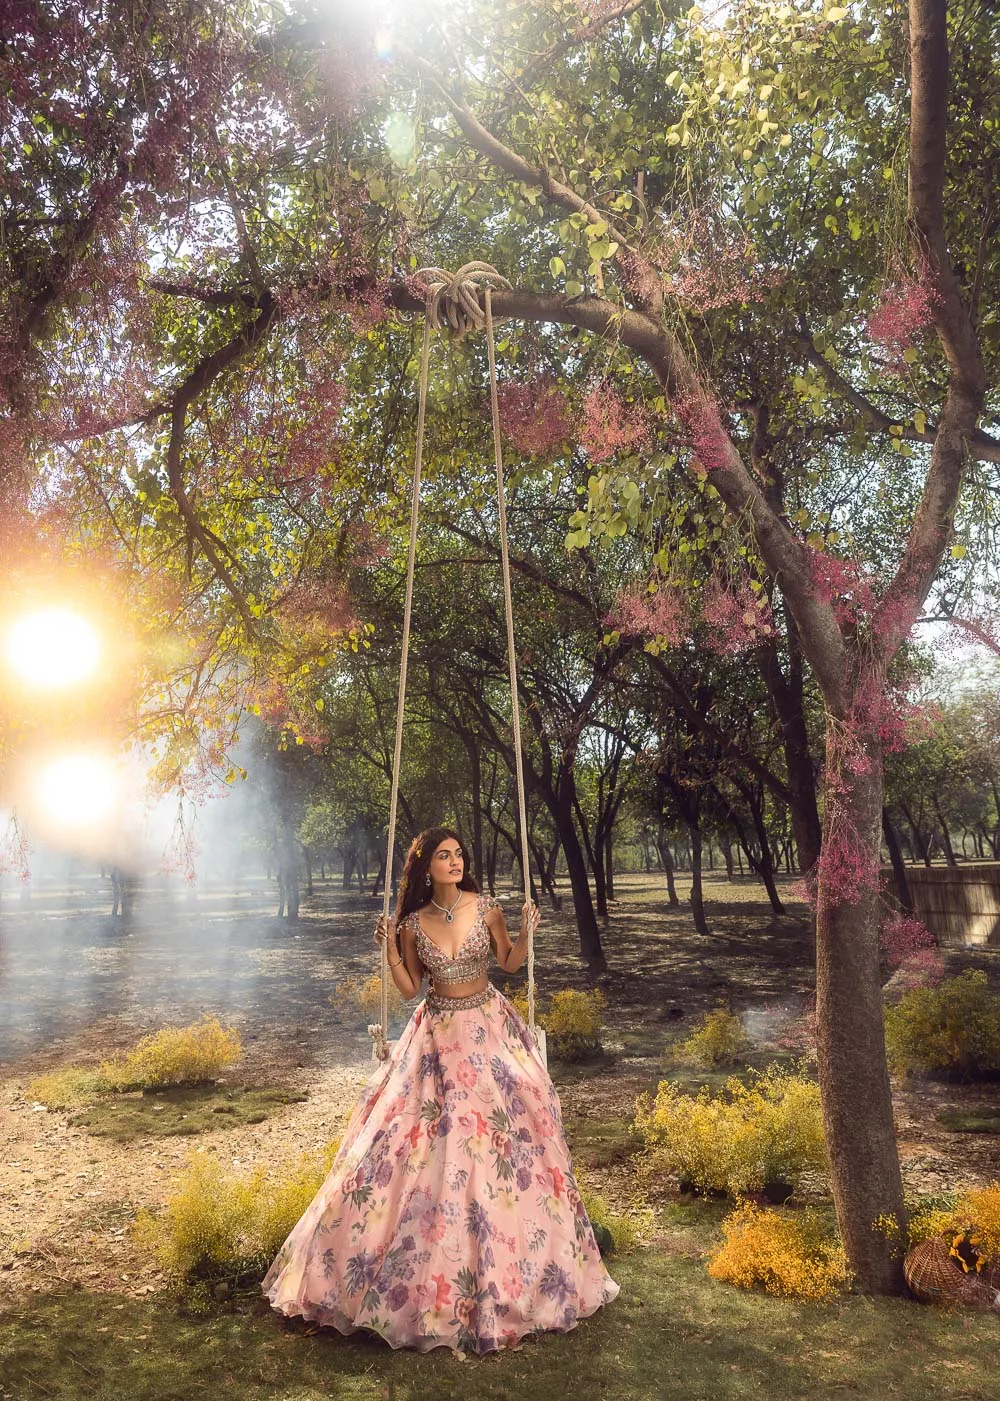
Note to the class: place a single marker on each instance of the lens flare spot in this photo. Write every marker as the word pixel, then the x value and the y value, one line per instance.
pixel 77 790
pixel 400 136
pixel 52 647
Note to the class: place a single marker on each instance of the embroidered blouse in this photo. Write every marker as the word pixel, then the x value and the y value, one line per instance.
pixel 473 956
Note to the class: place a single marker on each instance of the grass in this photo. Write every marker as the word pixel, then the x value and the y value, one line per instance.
pixel 174 1110
pixel 673 1335
pixel 602 1143
pixel 970 1120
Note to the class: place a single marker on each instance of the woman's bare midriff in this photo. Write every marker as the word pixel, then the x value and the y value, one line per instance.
pixel 459 989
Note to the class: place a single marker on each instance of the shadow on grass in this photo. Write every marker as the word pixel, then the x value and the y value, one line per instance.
pixel 673 1333
pixel 193 1109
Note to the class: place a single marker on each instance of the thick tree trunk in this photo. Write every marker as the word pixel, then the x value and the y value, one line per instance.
pixel 854 1078
pixel 898 865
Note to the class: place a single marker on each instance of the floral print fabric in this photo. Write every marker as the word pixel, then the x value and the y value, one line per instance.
pixel 450 1216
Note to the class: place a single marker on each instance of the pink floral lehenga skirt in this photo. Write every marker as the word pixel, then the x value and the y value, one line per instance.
pixel 450 1216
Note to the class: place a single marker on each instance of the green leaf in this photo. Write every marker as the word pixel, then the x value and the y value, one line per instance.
pixel 556 267
pixel 958 551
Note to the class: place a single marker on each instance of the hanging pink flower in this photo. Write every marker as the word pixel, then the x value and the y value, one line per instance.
pixel 902 936
pixel 736 617
pixel 640 613
pixel 844 584
pixel 905 309
pixel 535 416
pixel 611 425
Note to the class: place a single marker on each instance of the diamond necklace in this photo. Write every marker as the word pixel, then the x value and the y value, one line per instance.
pixel 448 914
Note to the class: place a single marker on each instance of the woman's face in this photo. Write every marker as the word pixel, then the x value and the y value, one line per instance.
pixel 447 864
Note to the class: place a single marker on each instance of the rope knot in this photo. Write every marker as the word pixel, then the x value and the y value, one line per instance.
pixel 453 297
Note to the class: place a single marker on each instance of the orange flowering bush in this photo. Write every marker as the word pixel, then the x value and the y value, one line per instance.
pixel 787 1254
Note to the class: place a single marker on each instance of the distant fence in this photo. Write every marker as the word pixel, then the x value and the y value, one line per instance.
pixel 960 904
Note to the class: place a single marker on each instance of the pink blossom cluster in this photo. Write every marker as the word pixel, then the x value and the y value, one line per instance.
pixel 705 269
pixel 922 969
pixel 14 852
pixel 535 416
pixel 982 629
pixel 736 617
pixel 612 425
pixel 904 310
pixel 318 605
pixel 707 435
pixel 902 936
pixel 847 866
pixel 179 853
pixel 662 613
pixel 314 442
pixel 844 584
pixel 365 546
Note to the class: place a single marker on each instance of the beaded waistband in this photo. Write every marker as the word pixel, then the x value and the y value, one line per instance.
pixel 436 1003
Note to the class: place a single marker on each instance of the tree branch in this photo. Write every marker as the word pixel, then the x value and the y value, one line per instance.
pixel 933 524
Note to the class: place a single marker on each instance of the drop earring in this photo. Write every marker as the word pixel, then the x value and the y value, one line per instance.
pixel 427 880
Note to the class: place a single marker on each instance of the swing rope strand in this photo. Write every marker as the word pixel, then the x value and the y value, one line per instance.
pixel 453 303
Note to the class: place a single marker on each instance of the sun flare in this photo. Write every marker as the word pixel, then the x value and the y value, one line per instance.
pixel 52 647
pixel 77 790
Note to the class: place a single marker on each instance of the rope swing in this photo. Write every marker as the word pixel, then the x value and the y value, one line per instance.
pixel 453 304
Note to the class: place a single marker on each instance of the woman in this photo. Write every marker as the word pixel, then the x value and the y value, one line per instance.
pixel 450 1216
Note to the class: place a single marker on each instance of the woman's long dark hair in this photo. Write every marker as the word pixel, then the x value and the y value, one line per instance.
pixel 414 892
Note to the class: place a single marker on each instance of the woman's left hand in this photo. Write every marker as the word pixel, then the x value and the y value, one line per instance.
pixel 531 918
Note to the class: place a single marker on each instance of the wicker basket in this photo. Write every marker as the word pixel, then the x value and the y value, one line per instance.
pixel 934 1278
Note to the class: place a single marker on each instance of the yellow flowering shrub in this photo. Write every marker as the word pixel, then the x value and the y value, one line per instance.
pixel 358 996
pixel 518 999
pixel 177 1055
pixel 767 1130
pixel 573 1023
pixel 953 1028
pixel 718 1039
pixel 789 1254
pixel 222 1225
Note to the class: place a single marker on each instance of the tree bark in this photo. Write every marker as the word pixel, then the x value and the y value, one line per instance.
pixel 576 866
pixel 697 901
pixel 854 1079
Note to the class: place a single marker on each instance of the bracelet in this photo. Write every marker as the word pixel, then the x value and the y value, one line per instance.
pixel 390 962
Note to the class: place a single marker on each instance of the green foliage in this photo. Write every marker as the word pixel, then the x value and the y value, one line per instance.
pixel 67 1089
pixel 225 1226
pixel 180 1111
pixel 718 1040
pixel 624 1227
pixel 766 1131
pixel 953 1029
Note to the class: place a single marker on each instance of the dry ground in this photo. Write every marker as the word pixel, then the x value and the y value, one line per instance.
pixel 67 1197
